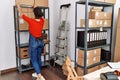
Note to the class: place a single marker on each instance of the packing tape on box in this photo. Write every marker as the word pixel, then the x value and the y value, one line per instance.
pixel 97 14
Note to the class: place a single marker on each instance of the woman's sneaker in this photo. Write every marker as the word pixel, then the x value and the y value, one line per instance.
pixel 34 75
pixel 42 78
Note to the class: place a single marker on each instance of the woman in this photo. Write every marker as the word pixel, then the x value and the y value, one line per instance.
pixel 36 43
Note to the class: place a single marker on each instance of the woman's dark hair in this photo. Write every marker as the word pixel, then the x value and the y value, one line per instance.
pixel 37 12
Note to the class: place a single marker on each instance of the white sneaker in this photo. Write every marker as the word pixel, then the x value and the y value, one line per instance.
pixel 34 75
pixel 42 78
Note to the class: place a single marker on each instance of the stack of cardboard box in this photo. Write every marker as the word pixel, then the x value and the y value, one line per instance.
pixel 93 56
pixel 98 18
pixel 23 25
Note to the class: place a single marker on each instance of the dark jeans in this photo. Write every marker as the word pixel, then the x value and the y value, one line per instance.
pixel 35 50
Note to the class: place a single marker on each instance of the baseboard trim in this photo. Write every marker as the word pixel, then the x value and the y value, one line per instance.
pixel 8 70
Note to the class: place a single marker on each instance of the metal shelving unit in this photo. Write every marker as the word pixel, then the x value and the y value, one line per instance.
pixel 87 3
pixel 19 45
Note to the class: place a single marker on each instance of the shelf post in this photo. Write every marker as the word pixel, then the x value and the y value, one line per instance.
pixel 85 34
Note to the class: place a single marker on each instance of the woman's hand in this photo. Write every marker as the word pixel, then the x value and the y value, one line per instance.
pixel 19 8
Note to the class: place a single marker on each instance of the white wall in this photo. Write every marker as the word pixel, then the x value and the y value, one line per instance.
pixel 7 42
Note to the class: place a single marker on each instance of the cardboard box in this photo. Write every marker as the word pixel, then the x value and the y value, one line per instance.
pixel 91 23
pixel 107 16
pixel 107 23
pixel 96 15
pixel 25 2
pixel 110 1
pixel 45 24
pixel 43 3
pixel 23 25
pixel 89 61
pixel 90 53
pixel 96 9
pixel 24 53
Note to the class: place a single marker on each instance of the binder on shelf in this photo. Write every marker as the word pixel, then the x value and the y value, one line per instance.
pixel 94 38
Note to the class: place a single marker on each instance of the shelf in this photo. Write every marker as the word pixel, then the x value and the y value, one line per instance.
pixel 29 57
pixel 93 28
pixel 45 64
pixel 93 65
pixel 93 47
pixel 29 6
pixel 28 30
pixel 24 45
pixel 24 69
pixel 79 65
pixel 96 64
pixel 18 38
pixel 29 67
pixel 95 3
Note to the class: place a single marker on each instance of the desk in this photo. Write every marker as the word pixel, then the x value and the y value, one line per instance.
pixel 96 74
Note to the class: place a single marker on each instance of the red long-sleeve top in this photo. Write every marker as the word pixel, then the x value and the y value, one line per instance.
pixel 35 27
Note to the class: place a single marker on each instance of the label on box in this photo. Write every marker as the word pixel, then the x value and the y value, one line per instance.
pixel 97 21
pixel 105 23
pixel 94 59
pixel 100 22
pixel 105 14
pixel 97 13
pixel 21 21
pixel 90 23
pixel 95 52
